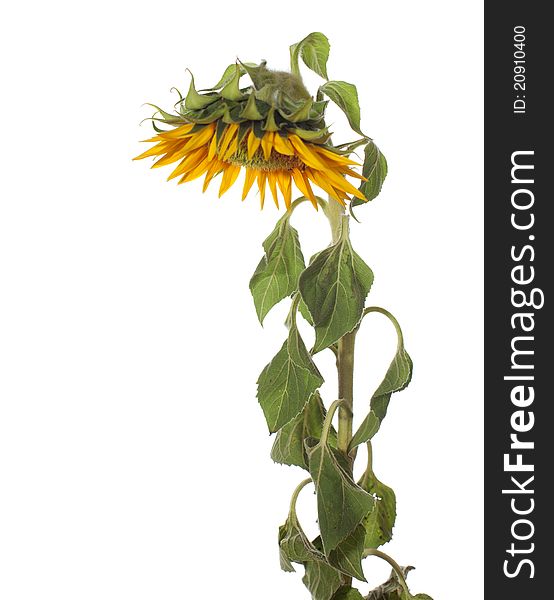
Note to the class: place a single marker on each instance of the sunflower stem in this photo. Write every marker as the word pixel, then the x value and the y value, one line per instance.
pixel 338 221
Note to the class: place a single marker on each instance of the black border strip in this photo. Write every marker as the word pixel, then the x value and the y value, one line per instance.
pixel 519 256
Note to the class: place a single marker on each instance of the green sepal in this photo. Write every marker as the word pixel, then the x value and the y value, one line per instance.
pixel 341 504
pixel 166 117
pixel 231 90
pixel 345 96
pixel 319 136
pixel 270 123
pixel 244 128
pixel 287 383
pixel 288 448
pixel 334 288
pixel 257 129
pixel 374 170
pixel 299 113
pixel 196 101
pixel 277 273
pixel 250 109
pixel 314 51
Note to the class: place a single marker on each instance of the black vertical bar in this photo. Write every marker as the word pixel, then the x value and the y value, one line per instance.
pixel 519 268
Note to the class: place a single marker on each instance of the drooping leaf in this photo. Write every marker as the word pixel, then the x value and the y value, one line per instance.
pixel 294 546
pixel 288 447
pixel 287 383
pixel 345 96
pixel 334 288
pixel 392 589
pixel 396 379
pixel 284 560
pixel 276 276
pixel 347 556
pixel 314 51
pixel 380 522
pixel 341 503
pixel 374 170
pixel 322 580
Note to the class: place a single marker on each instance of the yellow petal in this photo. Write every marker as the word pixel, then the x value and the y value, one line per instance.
pixel 285 185
pixel 214 168
pixel 304 186
pixel 233 146
pixel 196 172
pixel 272 180
pixel 253 143
pixel 229 134
pixel 213 148
pixel 202 138
pixel 262 176
pixel 282 145
pixel 340 182
pixel 188 163
pixel 319 179
pixel 229 177
pixel 176 153
pixel 249 179
pixel 159 148
pixel 307 156
pixel 332 156
pixel 267 144
pixel 182 131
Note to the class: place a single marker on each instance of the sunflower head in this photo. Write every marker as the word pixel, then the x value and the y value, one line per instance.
pixel 270 126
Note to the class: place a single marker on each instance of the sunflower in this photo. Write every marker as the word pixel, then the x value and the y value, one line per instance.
pixel 273 129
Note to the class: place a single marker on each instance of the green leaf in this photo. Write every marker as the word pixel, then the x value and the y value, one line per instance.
pixel 294 546
pixel 334 288
pixel 374 170
pixel 341 504
pixel 314 51
pixel 322 580
pixel 345 96
pixel 347 556
pixel 276 276
pixel 380 522
pixel 288 447
pixel 397 378
pixel 348 593
pixel 287 382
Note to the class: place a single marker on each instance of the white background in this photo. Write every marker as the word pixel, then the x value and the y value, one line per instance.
pixel 134 458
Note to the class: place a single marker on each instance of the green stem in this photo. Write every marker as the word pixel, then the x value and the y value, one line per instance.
pixel 329 420
pixel 397 568
pixel 345 368
pixel 390 317
pixel 338 221
pixel 296 493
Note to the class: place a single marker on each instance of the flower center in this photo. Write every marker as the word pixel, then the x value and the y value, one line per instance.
pixel 275 162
